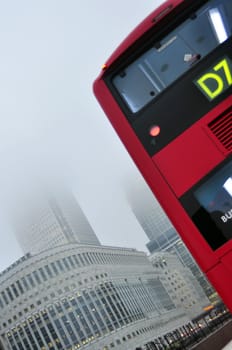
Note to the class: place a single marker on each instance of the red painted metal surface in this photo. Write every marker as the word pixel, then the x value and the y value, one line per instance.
pixel 196 146
pixel 155 179
pixel 176 168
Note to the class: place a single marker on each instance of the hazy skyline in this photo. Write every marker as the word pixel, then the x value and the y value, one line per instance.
pixel 51 124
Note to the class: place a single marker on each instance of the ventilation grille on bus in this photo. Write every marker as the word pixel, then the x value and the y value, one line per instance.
pixel 221 127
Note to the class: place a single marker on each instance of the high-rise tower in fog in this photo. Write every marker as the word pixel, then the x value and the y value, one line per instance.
pixel 163 236
pixel 48 220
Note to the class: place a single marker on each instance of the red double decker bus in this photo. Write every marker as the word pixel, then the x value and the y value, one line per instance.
pixel 167 92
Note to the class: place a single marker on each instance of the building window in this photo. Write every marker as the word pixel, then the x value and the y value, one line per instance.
pixel 59 264
pixel 54 268
pixel 31 281
pixel 35 274
pixel 9 293
pixel 44 277
pixel 25 284
pixel 18 283
pixel 48 270
pixel 76 261
pixel 71 262
pixel 66 264
pixel 1 303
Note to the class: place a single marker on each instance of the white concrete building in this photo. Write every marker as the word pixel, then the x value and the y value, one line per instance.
pixel 180 283
pixel 84 297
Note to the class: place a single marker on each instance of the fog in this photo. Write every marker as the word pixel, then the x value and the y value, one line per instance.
pixel 52 127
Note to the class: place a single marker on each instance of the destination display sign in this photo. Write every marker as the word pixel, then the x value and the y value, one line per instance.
pixel 216 79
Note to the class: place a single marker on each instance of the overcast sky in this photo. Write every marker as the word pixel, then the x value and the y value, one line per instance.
pixel 51 124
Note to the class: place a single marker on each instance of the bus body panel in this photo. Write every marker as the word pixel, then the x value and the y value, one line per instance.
pixel 193 156
pixel 227 261
pixel 156 181
pixel 187 149
pixel 196 145
pixel 220 277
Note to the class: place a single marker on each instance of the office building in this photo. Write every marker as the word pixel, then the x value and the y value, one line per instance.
pixel 85 297
pixel 183 288
pixel 162 235
pixel 45 220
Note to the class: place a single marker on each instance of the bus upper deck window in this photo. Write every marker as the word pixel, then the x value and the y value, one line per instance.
pixel 164 62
